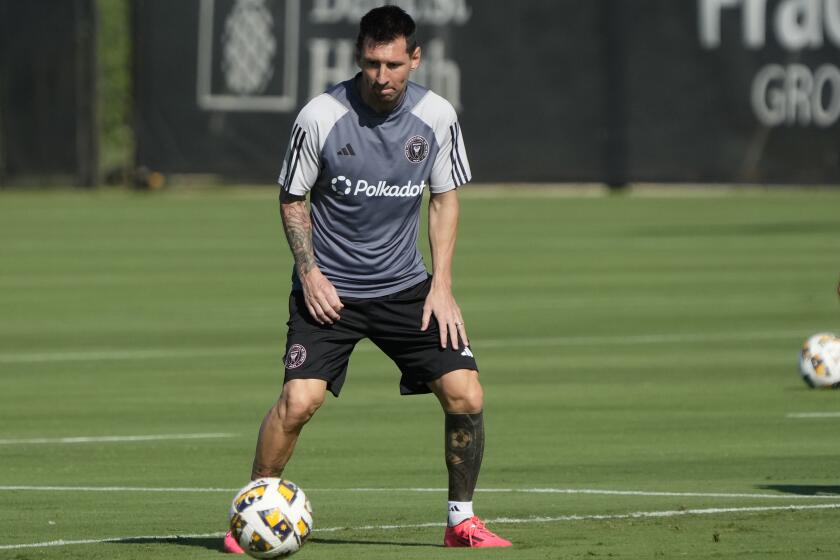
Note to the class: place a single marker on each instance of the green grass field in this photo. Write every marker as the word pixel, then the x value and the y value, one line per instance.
pixel 638 355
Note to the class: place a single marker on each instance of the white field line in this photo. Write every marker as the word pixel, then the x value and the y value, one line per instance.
pixel 128 354
pixel 813 415
pixel 586 491
pixel 501 520
pixel 22 488
pixel 114 439
pixel 163 353
pixel 600 492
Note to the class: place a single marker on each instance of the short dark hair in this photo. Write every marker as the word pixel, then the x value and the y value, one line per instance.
pixel 385 24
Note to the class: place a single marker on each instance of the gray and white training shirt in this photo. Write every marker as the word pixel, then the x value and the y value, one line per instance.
pixel 366 174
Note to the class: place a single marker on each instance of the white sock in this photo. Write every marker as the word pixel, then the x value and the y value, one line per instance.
pixel 459 511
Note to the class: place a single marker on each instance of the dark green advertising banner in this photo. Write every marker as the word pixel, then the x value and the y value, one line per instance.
pixel 732 90
pixel 562 90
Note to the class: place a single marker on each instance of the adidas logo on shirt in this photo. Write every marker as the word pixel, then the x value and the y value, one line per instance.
pixel 347 150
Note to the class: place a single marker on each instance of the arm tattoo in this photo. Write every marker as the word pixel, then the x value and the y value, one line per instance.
pixel 298 228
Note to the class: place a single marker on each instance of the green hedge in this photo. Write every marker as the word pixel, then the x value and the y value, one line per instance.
pixel 114 60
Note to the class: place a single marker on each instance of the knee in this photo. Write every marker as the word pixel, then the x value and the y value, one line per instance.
pixel 464 398
pixel 472 401
pixel 294 410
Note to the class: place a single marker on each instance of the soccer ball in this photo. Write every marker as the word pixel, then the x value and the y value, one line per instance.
pixel 819 361
pixel 270 518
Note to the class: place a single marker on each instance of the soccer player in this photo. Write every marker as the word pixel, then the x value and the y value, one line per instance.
pixel 364 152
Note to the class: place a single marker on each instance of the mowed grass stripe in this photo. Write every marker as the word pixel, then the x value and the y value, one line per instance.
pixel 500 521
pixel 162 353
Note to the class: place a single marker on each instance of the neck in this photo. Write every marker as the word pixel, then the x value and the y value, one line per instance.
pixel 373 103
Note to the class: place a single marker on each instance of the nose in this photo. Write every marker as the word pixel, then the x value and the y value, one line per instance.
pixel 382 75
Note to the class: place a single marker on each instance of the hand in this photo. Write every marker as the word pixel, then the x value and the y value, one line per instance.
pixel 320 296
pixel 440 303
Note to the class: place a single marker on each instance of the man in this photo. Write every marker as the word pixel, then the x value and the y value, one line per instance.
pixel 365 151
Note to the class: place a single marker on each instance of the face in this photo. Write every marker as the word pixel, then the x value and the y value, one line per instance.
pixel 385 70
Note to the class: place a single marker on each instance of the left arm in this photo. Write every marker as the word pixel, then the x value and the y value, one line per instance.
pixel 440 303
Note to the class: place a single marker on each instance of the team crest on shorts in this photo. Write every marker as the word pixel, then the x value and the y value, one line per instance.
pixel 296 356
pixel 416 149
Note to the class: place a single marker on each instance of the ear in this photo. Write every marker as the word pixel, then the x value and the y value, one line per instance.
pixel 415 58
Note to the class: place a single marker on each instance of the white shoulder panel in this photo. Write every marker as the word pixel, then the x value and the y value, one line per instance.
pixel 436 112
pixel 451 168
pixel 303 155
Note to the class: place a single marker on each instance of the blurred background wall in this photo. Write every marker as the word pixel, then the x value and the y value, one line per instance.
pixel 48 122
pixel 613 91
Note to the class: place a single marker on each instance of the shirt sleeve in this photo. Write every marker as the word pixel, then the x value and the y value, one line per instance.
pixel 451 168
pixel 303 161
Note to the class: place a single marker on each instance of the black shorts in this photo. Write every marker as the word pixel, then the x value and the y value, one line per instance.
pixel 391 322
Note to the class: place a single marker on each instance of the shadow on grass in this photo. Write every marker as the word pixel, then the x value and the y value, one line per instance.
pixel 210 543
pixel 215 543
pixel 803 489
pixel 362 541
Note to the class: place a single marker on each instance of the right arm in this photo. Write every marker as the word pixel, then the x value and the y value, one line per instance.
pixel 301 166
pixel 320 295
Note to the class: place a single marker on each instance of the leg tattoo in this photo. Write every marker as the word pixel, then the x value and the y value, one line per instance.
pixel 464 451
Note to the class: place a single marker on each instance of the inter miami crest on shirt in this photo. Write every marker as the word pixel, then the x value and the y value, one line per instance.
pixel 416 149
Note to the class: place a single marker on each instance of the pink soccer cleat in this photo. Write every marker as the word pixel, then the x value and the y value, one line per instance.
pixel 472 533
pixel 231 545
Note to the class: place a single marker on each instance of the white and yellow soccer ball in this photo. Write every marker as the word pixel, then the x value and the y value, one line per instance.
pixel 270 518
pixel 819 361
